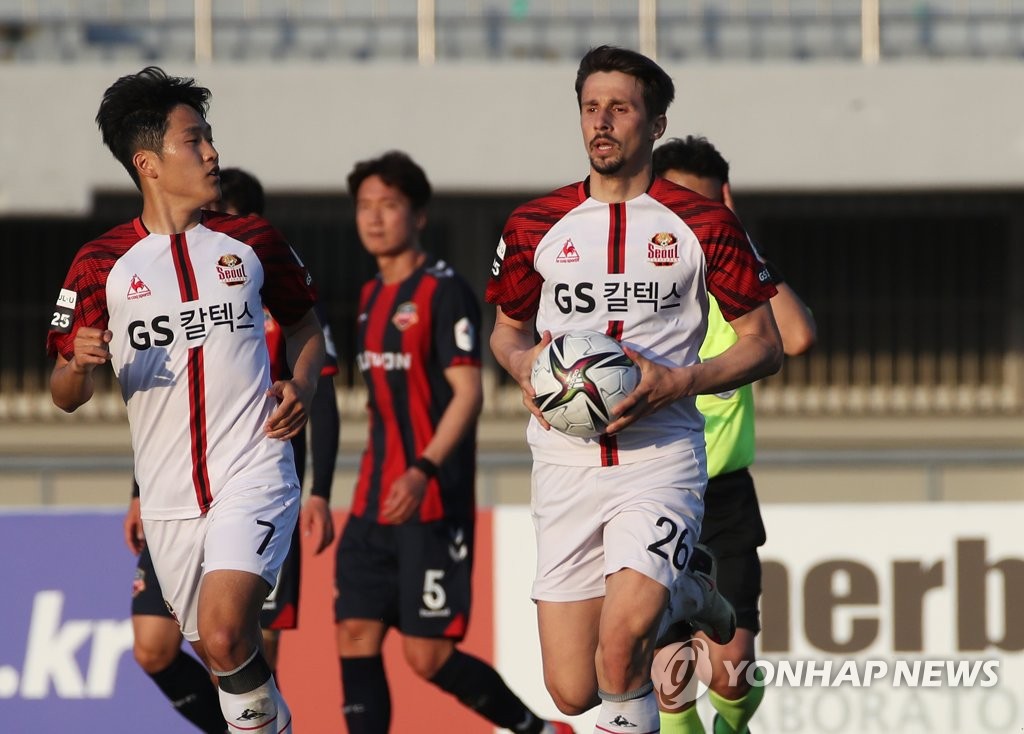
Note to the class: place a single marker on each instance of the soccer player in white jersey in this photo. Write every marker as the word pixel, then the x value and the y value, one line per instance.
pixel 174 301
pixel 617 517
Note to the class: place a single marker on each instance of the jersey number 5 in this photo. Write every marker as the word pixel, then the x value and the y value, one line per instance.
pixel 434 597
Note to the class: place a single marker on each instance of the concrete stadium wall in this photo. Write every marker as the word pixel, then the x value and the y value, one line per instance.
pixel 513 127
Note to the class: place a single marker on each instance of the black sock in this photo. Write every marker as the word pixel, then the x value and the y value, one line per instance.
pixel 478 686
pixel 367 700
pixel 187 685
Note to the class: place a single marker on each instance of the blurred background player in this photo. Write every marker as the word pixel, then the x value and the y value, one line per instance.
pixel 405 557
pixel 157 646
pixel 732 525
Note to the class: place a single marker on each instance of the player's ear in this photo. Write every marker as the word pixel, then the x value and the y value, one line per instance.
pixel 420 218
pixel 658 127
pixel 727 197
pixel 143 160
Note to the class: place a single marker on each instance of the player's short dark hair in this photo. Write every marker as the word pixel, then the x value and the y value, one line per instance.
pixel 657 87
pixel 694 155
pixel 134 111
pixel 396 169
pixel 241 191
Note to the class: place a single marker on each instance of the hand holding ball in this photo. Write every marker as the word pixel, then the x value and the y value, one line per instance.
pixel 579 378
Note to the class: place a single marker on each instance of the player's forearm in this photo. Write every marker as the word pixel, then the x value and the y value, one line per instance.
pixel 752 357
pixel 509 341
pixel 306 354
pixel 69 387
pixel 457 420
pixel 796 324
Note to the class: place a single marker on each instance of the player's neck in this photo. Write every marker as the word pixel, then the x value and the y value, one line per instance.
pixel 164 217
pixel 620 186
pixel 398 267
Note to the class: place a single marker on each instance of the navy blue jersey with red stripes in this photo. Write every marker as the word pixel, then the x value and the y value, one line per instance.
pixel 409 333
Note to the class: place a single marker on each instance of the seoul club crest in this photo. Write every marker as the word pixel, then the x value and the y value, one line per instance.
pixel 231 270
pixel 663 249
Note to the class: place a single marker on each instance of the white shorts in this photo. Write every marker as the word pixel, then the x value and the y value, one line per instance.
pixel 594 521
pixel 249 530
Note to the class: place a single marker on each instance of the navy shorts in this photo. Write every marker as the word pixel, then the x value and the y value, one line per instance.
pixel 280 610
pixel 733 530
pixel 147 598
pixel 414 576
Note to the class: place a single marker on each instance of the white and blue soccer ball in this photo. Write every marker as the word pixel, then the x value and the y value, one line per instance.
pixel 578 378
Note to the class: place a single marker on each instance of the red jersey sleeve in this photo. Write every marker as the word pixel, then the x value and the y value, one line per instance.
pixel 82 300
pixel 514 284
pixel 288 291
pixel 735 277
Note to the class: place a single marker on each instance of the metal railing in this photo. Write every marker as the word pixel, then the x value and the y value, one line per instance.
pixel 935 463
pixel 893 339
pixel 426 31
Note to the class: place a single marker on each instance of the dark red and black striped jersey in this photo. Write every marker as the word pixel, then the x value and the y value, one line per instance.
pixel 638 270
pixel 188 349
pixel 277 346
pixel 409 333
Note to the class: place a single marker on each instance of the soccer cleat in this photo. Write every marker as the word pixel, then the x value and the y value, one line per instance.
pixel 557 727
pixel 710 613
pixel 715 616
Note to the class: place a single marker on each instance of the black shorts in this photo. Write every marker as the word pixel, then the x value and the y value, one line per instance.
pixel 147 597
pixel 415 576
pixel 280 610
pixel 733 530
pixel 281 607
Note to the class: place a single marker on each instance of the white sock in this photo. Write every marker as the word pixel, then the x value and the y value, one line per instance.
pixel 635 716
pixel 260 711
pixel 284 714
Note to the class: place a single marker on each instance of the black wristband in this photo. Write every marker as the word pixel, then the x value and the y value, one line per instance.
pixel 774 273
pixel 426 466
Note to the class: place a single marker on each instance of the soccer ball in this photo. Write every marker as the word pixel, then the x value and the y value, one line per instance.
pixel 578 378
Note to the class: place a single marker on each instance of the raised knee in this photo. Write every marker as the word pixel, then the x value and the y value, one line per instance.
pixel 427 657
pixel 572 701
pixel 225 647
pixel 731 692
pixel 569 708
pixel 425 666
pixel 154 658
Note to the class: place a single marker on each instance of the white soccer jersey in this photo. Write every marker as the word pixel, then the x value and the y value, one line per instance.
pixel 639 271
pixel 186 312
